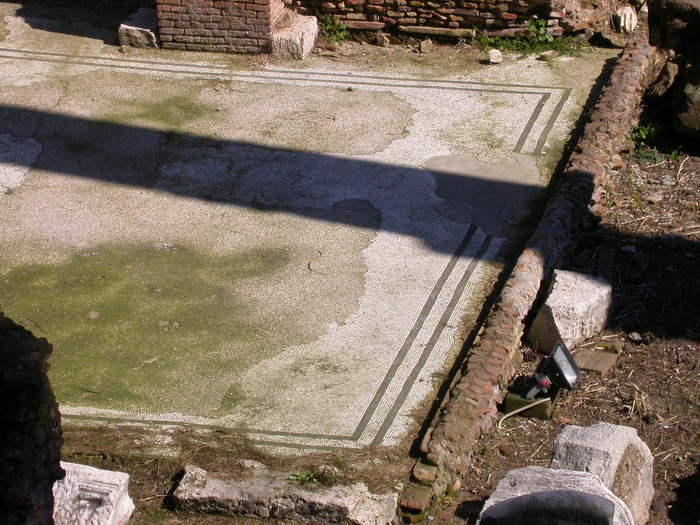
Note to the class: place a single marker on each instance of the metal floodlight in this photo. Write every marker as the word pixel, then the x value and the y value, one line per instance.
pixel 558 370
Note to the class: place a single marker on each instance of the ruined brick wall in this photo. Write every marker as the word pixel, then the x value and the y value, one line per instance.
pixel 246 26
pixel 214 25
pixel 30 429
pixel 460 18
pixel 441 17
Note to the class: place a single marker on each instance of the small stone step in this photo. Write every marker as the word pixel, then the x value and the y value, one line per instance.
pixel 424 473
pixel 294 37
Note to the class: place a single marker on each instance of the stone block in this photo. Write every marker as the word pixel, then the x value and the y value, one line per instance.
pixel 548 495
pixel 424 473
pixel 597 362
pixel 382 40
pixel 416 498
pixel 625 19
pixel 617 456
pixel 664 81
pixel 426 46
pixel 140 29
pixel 269 494
pixel 516 399
pixel 576 309
pixel 90 496
pixel 296 38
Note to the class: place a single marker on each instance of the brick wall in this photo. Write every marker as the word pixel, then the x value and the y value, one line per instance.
pixel 441 17
pixel 460 18
pixel 245 26
pixel 215 25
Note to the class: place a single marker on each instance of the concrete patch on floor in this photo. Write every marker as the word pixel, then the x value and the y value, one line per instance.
pixel 16 156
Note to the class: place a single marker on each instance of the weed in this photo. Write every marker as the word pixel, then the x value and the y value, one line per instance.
pixel 675 154
pixel 538 31
pixel 333 28
pixel 534 39
pixel 649 148
pixel 303 478
pixel 644 135
pixel 646 155
pixel 635 202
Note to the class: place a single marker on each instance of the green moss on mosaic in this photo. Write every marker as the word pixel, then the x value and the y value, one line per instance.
pixel 142 326
pixel 173 113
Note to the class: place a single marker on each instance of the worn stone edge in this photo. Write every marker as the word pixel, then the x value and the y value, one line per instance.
pixel 470 407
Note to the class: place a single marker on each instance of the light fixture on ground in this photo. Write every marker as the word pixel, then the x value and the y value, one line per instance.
pixel 557 370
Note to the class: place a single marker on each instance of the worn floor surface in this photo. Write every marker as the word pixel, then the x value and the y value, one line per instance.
pixel 292 251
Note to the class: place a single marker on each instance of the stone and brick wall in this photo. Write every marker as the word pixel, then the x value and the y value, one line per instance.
pixel 245 26
pixel 30 429
pixel 224 26
pixel 460 18
pixel 470 408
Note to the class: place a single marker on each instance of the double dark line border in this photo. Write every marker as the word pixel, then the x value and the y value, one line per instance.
pixel 545 93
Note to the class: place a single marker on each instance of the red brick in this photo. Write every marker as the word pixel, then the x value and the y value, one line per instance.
pixel 493 371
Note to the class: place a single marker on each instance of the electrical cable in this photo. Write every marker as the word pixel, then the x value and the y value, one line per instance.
pixel 522 409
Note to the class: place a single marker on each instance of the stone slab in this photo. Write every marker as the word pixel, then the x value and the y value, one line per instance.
pixel 577 308
pixel 296 39
pixel 424 473
pixel 416 498
pixel 616 455
pixel 530 480
pixel 90 496
pixel 140 29
pixel 16 157
pixel 271 495
pixel 599 363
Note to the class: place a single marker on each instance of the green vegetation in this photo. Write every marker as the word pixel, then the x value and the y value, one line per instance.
pixel 534 40
pixel 135 326
pixel 339 472
pixel 649 149
pixel 304 478
pixel 333 28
